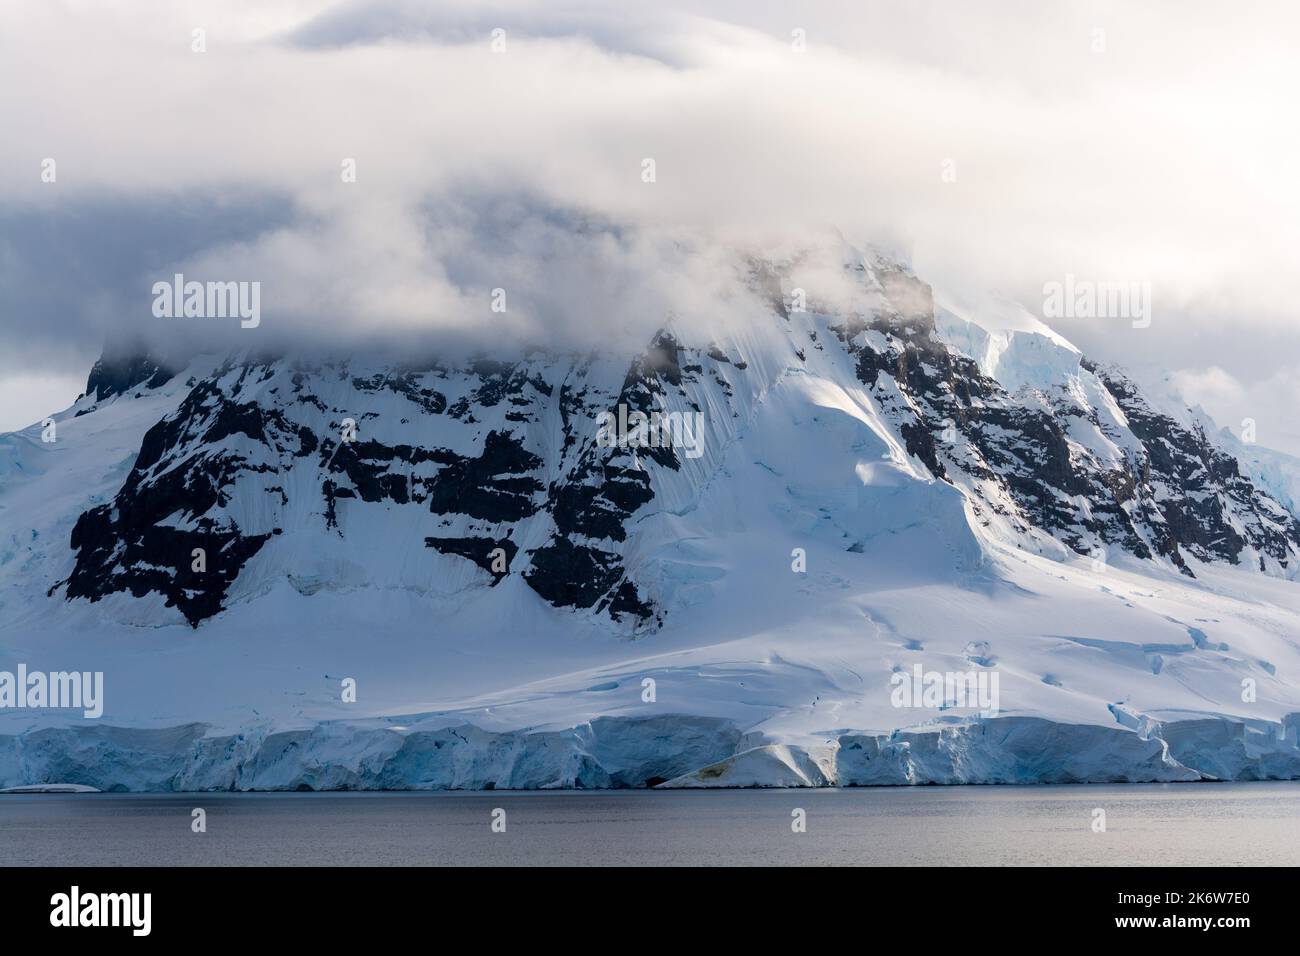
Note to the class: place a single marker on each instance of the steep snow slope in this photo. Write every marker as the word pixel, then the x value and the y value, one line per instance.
pixel 881 485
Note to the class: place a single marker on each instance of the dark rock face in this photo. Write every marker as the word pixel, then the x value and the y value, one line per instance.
pixel 1018 459
pixel 569 574
pixel 496 486
pixel 407 385
pixel 491 555
pixel 253 430
pixel 111 377
pixel 142 559
pixel 1013 453
pixel 146 539
pixel 1198 489
pixel 604 487
pixel 366 467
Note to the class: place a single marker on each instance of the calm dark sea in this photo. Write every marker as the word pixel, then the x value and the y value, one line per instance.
pixel 1156 824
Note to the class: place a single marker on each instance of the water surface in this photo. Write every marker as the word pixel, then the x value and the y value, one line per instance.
pixel 1146 824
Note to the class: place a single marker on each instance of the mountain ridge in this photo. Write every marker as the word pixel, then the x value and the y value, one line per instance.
pixel 1023 459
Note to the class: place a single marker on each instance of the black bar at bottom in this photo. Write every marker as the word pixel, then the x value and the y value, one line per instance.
pixel 530 906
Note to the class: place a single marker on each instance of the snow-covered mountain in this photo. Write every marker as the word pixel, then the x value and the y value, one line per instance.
pixel 878 487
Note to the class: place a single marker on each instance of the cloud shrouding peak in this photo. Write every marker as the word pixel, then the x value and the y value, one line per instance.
pixel 1006 146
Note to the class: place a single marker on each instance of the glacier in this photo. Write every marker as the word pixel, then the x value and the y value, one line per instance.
pixel 670 751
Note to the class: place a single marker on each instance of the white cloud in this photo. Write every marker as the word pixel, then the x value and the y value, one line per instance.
pixel 1164 158
pixel 30 398
pixel 1268 402
pixel 1211 386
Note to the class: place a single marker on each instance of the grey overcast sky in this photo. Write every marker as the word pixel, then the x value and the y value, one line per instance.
pixel 1147 142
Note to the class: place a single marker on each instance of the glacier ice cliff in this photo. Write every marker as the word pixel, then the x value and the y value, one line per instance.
pixel 668 751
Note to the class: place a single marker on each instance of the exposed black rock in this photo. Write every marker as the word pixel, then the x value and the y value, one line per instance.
pixel 407 385
pixel 495 486
pixel 963 425
pixel 574 575
pixel 1198 488
pixel 111 377
pixel 480 551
